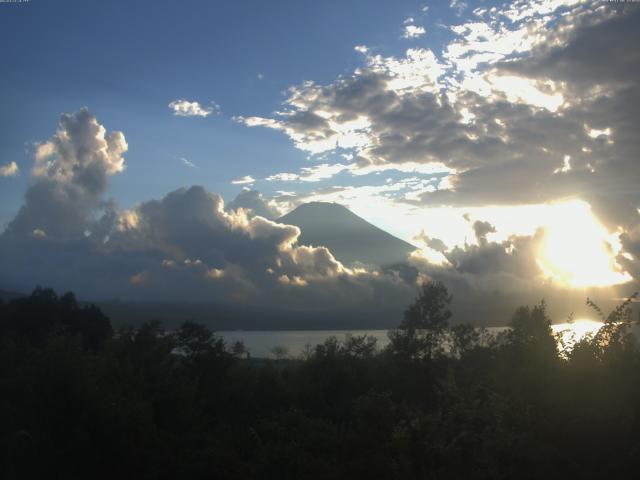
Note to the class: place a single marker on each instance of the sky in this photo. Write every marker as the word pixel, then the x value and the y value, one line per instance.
pixel 146 148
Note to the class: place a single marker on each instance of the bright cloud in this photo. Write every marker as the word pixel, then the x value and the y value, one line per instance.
pixel 81 152
pixel 413 31
pixel 246 180
pixel 310 174
pixel 498 105
pixel 517 89
pixel 71 174
pixel 186 108
pixel 9 170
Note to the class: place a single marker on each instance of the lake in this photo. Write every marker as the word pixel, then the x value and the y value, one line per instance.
pixel 261 343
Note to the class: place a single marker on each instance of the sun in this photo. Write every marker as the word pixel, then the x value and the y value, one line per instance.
pixel 578 251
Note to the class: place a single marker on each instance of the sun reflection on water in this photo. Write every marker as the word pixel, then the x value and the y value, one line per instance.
pixel 571 332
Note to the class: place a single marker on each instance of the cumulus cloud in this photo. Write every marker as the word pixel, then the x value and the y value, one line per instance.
pixel 184 246
pixel 81 152
pixel 413 31
pixel 186 108
pixel 481 229
pixel 256 204
pixel 209 252
pixel 9 170
pixel 70 176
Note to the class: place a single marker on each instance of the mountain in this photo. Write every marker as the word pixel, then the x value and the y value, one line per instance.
pixel 6 295
pixel 349 237
pixel 219 316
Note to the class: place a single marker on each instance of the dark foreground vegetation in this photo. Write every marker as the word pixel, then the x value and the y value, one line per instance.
pixel 78 400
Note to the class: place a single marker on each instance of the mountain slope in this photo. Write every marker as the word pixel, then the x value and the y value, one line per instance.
pixel 349 237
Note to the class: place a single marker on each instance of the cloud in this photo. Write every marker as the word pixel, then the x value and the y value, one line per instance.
pixel 310 174
pixel 188 162
pixel 188 246
pixel 9 170
pixel 481 229
pixel 246 180
pixel 490 279
pixel 81 152
pixel 186 108
pixel 532 104
pixel 458 6
pixel 256 203
pixel 413 31
pixel 70 176
pixel 184 246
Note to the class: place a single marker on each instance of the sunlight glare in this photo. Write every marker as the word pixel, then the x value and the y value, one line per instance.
pixel 576 330
pixel 578 251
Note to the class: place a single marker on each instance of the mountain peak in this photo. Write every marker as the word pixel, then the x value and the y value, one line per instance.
pixel 328 206
pixel 350 238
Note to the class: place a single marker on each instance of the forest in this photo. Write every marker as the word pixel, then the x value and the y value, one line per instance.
pixel 443 400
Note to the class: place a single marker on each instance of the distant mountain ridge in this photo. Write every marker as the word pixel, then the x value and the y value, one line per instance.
pixel 6 295
pixel 350 238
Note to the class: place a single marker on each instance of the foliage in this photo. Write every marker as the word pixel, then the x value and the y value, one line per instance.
pixel 421 332
pixel 79 400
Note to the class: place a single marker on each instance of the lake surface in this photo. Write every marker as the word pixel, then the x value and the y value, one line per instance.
pixel 261 343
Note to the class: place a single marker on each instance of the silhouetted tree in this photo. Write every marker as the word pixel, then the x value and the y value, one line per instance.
pixel 194 338
pixel 615 331
pixel 420 333
pixel 239 350
pixel 43 315
pixel 360 346
pixel 464 338
pixel 153 404
pixel 531 330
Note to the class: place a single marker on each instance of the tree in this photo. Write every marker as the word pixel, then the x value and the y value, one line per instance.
pixel 280 352
pixel 360 346
pixel 531 329
pixel 615 332
pixel 464 338
pixel 239 350
pixel 529 324
pixel 194 338
pixel 421 332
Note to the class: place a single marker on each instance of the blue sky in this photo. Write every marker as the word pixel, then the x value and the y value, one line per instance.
pixel 500 138
pixel 127 60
